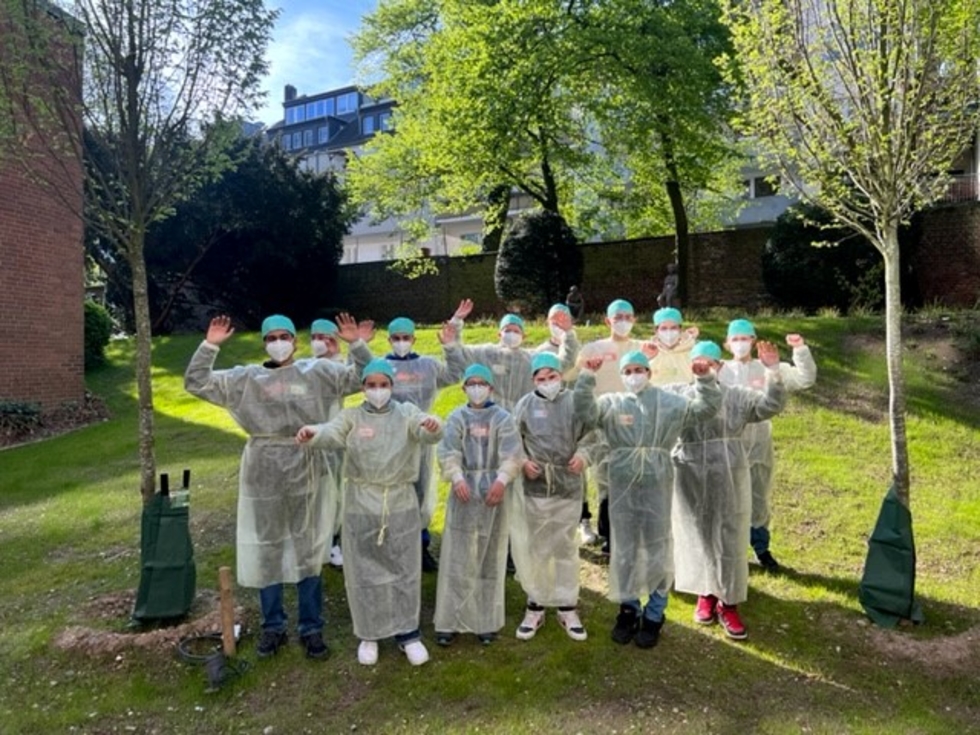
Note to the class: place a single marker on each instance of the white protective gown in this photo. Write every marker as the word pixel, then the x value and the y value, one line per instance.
pixel 417 381
pixel 286 512
pixel 673 364
pixel 638 431
pixel 382 526
pixel 567 351
pixel 480 443
pixel 546 515
pixel 758 436
pixel 713 496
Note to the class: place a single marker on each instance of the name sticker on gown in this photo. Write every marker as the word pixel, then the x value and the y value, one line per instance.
pixel 625 419
pixel 479 430
pixel 499 369
pixel 539 413
pixel 365 432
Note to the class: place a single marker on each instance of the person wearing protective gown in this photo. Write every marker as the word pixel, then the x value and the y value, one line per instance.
pixel 745 371
pixel 285 512
pixel 670 358
pixel 544 519
pixel 480 454
pixel 382 524
pixel 417 380
pixel 639 428
pixel 713 497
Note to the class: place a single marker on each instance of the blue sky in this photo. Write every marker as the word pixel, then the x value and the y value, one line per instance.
pixel 310 48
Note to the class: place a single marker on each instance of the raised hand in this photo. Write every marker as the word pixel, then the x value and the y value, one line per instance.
pixel 464 309
pixel 365 330
pixel 347 327
pixel 649 349
pixel 563 320
pixel 594 363
pixel 219 330
pixel 701 366
pixel 447 335
pixel 305 434
pixel 794 340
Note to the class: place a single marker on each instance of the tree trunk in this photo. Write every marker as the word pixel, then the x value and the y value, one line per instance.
pixel 144 385
pixel 682 237
pixel 896 380
pixel 495 217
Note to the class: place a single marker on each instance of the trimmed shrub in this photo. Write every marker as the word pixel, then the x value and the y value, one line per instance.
pixel 537 263
pixel 98 329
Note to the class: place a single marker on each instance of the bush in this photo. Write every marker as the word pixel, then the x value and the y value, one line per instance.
pixel 537 263
pixel 98 329
pixel 19 417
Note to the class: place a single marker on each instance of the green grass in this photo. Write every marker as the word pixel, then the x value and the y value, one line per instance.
pixel 69 537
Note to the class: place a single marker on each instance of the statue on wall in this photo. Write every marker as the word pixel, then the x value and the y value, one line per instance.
pixel 668 297
pixel 575 303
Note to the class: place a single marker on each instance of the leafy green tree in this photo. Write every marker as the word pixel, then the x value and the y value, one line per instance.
pixel 157 75
pixel 538 262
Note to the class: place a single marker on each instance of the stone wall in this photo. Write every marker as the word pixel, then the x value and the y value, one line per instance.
pixel 945 258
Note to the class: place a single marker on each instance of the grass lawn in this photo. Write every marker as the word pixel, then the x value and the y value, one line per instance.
pixel 69 549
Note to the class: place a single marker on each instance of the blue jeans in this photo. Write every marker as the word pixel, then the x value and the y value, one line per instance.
pixel 404 638
pixel 654 609
pixel 759 538
pixel 310 593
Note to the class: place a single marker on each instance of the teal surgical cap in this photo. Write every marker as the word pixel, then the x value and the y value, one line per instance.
pixel 558 308
pixel 512 319
pixel 476 370
pixel 670 314
pixel 323 326
pixel 378 366
pixel 401 325
pixel 545 360
pixel 740 328
pixel 619 306
pixel 277 321
pixel 706 348
pixel 634 358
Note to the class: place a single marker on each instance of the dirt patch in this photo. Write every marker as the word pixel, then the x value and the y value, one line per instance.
pixel 948 655
pixel 203 618
pixel 67 417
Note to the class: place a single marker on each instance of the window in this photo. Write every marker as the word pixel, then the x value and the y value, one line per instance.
pixel 388 252
pixel 385 119
pixel 347 103
pixel 295 114
pixel 323 134
pixel 284 140
pixel 321 108
pixel 297 141
pixel 367 125
pixel 310 110
pixel 308 137
pixel 766 187
pixel 330 105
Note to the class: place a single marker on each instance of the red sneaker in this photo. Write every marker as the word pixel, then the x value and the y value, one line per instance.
pixel 731 622
pixel 704 613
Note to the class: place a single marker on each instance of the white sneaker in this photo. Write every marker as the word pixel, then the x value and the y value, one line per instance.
pixel 367 653
pixel 336 557
pixel 416 652
pixel 586 533
pixel 569 620
pixel 533 619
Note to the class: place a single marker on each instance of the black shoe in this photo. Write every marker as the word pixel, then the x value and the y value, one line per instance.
pixel 627 623
pixel 649 633
pixel 768 562
pixel 444 638
pixel 270 642
pixel 429 563
pixel 487 638
pixel 314 645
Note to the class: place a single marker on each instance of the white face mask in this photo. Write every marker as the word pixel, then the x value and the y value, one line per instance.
pixel 635 382
pixel 320 347
pixel 477 394
pixel 622 328
pixel 669 337
pixel 557 333
pixel 280 350
pixel 511 339
pixel 549 389
pixel 401 347
pixel 741 348
pixel 377 397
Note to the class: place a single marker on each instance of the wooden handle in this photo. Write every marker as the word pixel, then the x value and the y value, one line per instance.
pixel 227 611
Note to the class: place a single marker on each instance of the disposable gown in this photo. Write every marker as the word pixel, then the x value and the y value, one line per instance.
pixel 758 436
pixel 546 513
pixel 285 512
pixel 567 351
pixel 639 431
pixel 382 526
pixel 480 443
pixel 713 496
pixel 673 364
pixel 510 366
pixel 418 379
pixel 335 457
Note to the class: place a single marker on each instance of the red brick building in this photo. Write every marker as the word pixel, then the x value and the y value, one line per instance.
pixel 41 231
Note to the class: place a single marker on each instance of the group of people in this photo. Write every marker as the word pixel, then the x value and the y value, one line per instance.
pixel 677 438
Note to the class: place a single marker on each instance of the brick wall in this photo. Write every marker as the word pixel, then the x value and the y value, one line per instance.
pixel 41 274
pixel 725 271
pixel 945 259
